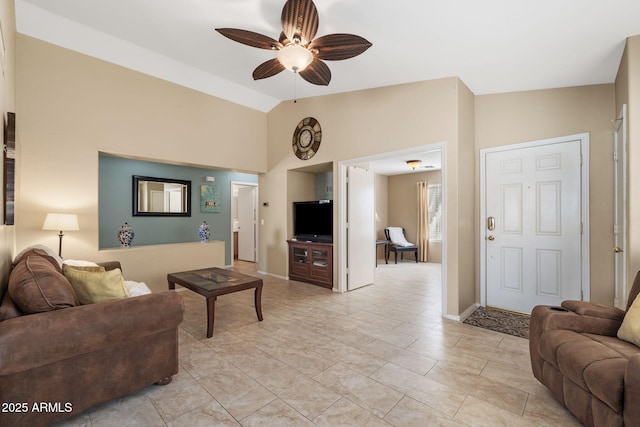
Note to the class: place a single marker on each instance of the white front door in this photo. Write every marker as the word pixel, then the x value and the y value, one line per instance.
pixel 361 231
pixel 247 223
pixel 532 221
pixel 620 210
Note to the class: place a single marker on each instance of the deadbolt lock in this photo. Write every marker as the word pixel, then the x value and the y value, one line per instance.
pixel 491 223
pixel 492 238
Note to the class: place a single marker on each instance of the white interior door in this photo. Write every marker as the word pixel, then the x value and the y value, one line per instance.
pixel 620 210
pixel 361 231
pixel 533 219
pixel 175 201
pixel 247 224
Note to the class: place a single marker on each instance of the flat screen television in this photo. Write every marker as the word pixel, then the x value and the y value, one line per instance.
pixel 313 221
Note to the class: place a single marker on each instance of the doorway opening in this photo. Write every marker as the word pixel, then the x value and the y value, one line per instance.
pixel 244 232
pixel 381 214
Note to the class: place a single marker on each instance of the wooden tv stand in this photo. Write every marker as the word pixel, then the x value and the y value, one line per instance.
pixel 311 262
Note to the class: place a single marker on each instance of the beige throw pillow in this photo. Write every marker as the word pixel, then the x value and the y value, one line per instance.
pixel 90 268
pixel 97 286
pixel 630 328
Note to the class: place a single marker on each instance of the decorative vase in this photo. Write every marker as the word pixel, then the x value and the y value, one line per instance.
pixel 204 232
pixel 125 235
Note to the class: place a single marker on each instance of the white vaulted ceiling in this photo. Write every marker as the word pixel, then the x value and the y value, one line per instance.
pixel 494 46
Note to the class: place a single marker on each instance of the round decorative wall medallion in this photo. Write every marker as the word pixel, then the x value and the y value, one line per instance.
pixel 306 138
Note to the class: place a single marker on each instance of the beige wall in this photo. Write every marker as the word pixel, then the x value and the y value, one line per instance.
pixel 71 106
pixel 511 118
pixel 365 123
pixel 141 263
pixel 382 206
pixel 354 125
pixel 403 204
pixel 628 92
pixel 7 101
pixel 464 219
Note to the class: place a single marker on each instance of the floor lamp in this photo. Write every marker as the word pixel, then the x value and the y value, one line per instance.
pixel 62 223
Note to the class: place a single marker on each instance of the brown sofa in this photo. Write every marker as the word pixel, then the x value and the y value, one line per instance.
pixel 64 360
pixel 576 354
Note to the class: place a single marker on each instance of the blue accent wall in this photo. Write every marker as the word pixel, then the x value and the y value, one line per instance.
pixel 115 203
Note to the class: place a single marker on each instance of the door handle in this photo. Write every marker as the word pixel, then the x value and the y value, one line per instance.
pixel 491 223
pixel 618 249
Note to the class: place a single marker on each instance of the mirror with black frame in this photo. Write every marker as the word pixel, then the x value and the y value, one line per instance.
pixel 161 196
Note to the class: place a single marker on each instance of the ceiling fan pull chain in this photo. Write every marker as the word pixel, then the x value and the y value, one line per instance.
pixel 295 88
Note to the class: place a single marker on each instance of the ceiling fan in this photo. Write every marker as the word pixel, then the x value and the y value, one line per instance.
pixel 297 49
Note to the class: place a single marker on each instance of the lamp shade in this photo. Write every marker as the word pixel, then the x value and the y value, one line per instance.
pixel 295 57
pixel 61 222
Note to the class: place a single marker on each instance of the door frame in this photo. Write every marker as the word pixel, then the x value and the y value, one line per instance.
pixel 342 211
pixel 255 219
pixel 584 207
pixel 621 281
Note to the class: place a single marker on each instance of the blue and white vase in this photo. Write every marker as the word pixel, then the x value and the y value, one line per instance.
pixel 125 235
pixel 204 232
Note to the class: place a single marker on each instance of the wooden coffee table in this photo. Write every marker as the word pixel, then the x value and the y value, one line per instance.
pixel 213 282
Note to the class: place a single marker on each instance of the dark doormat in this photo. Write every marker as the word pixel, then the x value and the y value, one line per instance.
pixel 507 322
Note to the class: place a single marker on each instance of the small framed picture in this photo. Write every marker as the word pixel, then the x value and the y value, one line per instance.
pixel 209 198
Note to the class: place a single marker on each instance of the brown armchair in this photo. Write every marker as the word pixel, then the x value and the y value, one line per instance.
pixel 576 354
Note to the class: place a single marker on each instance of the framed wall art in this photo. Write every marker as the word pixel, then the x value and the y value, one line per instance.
pixel 209 198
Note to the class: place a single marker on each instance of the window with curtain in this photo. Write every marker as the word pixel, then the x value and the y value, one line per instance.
pixel 435 211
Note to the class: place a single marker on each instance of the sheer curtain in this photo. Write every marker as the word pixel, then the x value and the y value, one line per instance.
pixel 423 222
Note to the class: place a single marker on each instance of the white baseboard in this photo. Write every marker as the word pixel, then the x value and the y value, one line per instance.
pixel 277 276
pixel 464 315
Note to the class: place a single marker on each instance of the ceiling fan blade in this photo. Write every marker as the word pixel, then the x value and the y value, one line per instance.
pixel 283 39
pixel 267 69
pixel 300 18
pixel 317 73
pixel 334 47
pixel 250 38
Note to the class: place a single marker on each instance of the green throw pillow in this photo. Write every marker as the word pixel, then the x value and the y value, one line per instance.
pixel 630 328
pixel 97 286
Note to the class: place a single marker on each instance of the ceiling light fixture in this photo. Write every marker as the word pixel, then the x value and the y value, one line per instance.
pixel 413 164
pixel 295 57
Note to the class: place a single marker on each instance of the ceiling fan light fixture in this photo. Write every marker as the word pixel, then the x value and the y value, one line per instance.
pixel 413 164
pixel 295 57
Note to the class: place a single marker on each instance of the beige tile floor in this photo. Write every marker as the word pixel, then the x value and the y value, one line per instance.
pixel 378 356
